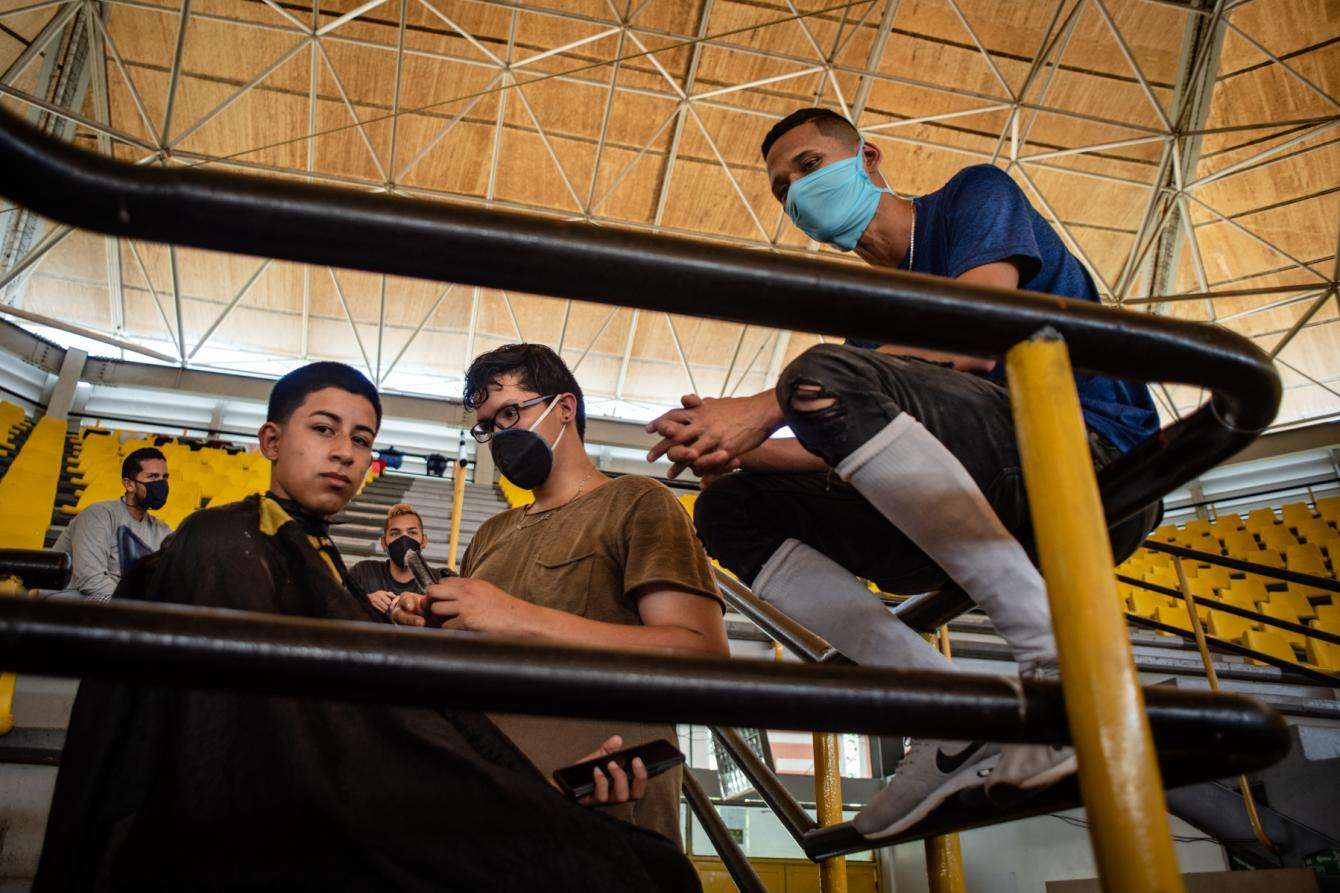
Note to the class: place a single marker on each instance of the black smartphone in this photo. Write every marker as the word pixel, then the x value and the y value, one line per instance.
pixel 577 782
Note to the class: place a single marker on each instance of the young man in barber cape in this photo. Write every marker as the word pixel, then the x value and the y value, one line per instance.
pixel 904 468
pixel 593 562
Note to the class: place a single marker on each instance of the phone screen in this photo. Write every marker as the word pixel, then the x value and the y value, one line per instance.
pixel 576 781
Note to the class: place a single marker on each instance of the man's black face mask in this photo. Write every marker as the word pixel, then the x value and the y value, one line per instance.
pixel 399 547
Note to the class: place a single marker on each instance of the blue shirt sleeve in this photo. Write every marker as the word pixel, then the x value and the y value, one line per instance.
pixel 990 220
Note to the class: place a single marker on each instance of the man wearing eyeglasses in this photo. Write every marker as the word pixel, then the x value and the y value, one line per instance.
pixel 594 562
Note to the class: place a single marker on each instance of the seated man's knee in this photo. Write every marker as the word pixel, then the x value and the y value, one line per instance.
pixel 817 393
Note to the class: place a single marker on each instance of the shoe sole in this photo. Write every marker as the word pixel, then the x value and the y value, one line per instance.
pixel 962 781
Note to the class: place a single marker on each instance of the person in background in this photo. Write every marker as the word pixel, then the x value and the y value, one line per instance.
pixel 106 539
pixel 382 580
pixel 593 562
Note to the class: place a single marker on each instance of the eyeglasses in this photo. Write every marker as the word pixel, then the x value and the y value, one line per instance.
pixel 503 419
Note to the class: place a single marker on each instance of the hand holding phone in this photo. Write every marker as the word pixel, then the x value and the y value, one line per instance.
pixel 581 779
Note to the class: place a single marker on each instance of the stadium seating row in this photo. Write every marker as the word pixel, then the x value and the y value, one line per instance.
pixel 28 488
pixel 1302 538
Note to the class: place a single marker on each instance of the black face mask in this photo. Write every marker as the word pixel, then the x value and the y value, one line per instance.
pixel 522 456
pixel 155 495
pixel 400 547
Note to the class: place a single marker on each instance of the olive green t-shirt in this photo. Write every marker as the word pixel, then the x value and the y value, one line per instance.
pixel 593 557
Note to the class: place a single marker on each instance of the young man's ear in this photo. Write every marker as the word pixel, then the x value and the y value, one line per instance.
pixel 269 435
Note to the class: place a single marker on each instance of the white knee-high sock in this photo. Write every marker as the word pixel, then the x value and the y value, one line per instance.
pixel 820 594
pixel 925 492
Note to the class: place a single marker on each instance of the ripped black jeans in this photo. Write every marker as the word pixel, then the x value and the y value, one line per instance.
pixel 744 517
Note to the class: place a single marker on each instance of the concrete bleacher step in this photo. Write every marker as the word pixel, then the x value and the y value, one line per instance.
pixel 29 755
pixel 358 528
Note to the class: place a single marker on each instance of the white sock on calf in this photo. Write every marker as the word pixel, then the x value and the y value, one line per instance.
pixel 820 594
pixel 925 492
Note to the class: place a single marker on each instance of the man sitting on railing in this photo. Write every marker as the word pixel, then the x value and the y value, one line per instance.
pixel 904 470
pixel 593 562
pixel 164 788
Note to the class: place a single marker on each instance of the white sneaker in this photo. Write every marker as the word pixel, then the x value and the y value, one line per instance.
pixel 1031 767
pixel 930 773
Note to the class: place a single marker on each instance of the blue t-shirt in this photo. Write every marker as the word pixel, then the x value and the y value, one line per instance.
pixel 980 217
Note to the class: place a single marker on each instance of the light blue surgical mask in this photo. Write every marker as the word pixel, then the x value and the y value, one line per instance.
pixel 836 203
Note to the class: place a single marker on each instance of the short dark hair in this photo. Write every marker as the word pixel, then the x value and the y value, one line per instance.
pixel 537 368
pixel 289 392
pixel 828 121
pixel 130 466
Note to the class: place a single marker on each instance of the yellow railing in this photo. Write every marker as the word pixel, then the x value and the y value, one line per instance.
pixel 1118 773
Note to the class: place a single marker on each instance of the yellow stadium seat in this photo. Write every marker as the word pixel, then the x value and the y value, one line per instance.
pixel 1173 617
pixel 1228 626
pixel 1267 557
pixel 1258 519
pixel 1331 546
pixel 1162 577
pixel 1315 531
pixel 1216 576
pixel 1281 609
pixel 1325 655
pixel 1147 604
pixel 1329 508
pixel 1295 513
pixel 1328 614
pixel 1201 587
pixel 1330 625
pixel 1276 538
pixel 1197 527
pixel 1241 544
pixel 1297 599
pixel 1306 560
pixel 1252 589
pixel 1168 533
pixel 1269 642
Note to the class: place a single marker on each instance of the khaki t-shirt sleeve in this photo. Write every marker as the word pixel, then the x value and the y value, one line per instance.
pixel 662 550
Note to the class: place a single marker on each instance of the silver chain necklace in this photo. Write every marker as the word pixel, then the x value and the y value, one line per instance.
pixel 912 239
pixel 526 514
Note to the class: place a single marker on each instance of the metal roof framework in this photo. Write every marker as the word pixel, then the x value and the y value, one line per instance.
pixel 1117 117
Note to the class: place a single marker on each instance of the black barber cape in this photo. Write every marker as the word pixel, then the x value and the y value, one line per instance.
pixel 169 788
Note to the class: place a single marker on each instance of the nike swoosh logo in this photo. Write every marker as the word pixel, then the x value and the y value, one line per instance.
pixel 948 764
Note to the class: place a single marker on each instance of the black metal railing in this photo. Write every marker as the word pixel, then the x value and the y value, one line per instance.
pixel 381 233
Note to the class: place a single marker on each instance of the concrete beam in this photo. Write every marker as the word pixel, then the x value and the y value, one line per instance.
pixel 62 392
pixel 124 373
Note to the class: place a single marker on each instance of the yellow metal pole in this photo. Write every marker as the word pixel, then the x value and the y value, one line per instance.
pixel 11 587
pixel 944 855
pixel 457 501
pixel 828 799
pixel 1118 772
pixel 1212 676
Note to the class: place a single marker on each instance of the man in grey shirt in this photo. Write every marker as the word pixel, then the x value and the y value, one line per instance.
pixel 107 538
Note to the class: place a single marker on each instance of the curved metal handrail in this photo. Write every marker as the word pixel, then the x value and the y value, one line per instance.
pixel 503 249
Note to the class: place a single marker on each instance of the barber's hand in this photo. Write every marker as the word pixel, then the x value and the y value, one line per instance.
pixel 381 600
pixel 612 784
pixel 708 434
pixel 471 604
